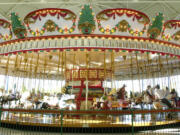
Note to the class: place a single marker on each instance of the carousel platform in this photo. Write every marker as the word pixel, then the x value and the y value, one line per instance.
pixel 89 122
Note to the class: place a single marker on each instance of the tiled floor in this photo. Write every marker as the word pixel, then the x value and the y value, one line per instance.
pixel 173 131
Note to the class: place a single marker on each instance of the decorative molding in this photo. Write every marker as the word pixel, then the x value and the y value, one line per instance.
pixel 89 42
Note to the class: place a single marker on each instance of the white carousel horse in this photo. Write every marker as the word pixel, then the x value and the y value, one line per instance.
pixel 60 101
pixel 64 104
pixel 52 101
pixel 27 105
pixel 31 101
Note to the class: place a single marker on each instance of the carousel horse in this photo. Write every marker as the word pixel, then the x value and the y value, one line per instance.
pixel 122 97
pixel 30 100
pixel 98 103
pixel 67 102
pixel 141 100
pixel 52 100
pixel 165 102
pixel 104 102
pixel 60 101
pixel 27 105
pixel 175 98
pixel 158 104
pixel 137 101
pixel 8 98
pixel 41 105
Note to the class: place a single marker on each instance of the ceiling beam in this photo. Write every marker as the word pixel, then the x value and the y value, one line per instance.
pixel 75 2
pixel 35 3
pixel 137 1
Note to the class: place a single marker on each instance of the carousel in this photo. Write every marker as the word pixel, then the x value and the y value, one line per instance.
pixel 55 59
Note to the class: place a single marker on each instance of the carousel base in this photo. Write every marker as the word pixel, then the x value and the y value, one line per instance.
pixel 86 124
pixel 54 128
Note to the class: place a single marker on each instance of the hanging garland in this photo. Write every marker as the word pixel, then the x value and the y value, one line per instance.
pixel 57 28
pixel 171 24
pixel 107 30
pixel 114 29
pixel 107 14
pixel 136 32
pixel 32 17
pixel 38 14
pixel 6 25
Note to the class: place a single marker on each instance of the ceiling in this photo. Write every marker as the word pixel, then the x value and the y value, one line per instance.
pixel 170 8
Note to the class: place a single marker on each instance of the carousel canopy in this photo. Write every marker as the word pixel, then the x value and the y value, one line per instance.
pixel 67 39
pixel 170 8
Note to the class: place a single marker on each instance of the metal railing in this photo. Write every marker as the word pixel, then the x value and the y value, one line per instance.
pixel 91 121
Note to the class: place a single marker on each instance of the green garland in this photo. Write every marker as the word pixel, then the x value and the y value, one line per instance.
pixel 59 29
pixel 114 29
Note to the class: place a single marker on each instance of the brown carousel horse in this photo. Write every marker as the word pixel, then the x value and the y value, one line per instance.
pixel 122 97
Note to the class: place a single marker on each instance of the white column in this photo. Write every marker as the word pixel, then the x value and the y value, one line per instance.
pixel 86 82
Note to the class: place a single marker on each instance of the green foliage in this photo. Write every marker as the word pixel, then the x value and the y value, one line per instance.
pixel 86 21
pixel 17 27
pixel 156 27
pixel 158 22
pixel 86 16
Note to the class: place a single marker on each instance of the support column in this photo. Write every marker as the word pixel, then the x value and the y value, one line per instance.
pixel 87 90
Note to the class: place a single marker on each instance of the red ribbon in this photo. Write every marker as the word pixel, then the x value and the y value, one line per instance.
pixel 38 16
pixel 110 15
pixel 52 14
pixel 119 14
pixel 35 17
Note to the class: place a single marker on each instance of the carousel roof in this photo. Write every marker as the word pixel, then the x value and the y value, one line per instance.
pixel 50 38
pixel 170 8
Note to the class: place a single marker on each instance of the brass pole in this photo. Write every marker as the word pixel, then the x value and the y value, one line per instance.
pixel 132 79
pixel 65 64
pixel 172 72
pixel 59 63
pixel 137 65
pixel 74 59
pixel 105 68
pixel 19 75
pixel 142 70
pixel 7 66
pixel 62 66
pixel 24 68
pixel 169 81
pixel 62 62
pixel 45 65
pixel 160 69
pixel 36 68
pixel 87 89
pixel 112 68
